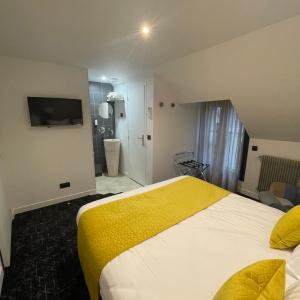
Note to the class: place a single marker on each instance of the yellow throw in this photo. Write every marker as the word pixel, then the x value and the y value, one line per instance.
pixel 108 230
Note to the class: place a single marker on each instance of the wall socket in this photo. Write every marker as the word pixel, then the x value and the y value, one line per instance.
pixel 65 185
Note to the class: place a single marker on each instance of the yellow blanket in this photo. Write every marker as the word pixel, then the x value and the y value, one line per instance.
pixel 107 230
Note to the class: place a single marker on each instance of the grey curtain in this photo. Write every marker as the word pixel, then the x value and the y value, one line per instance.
pixel 220 142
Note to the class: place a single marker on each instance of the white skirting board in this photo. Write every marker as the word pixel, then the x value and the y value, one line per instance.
pixel 33 206
pixel 1 278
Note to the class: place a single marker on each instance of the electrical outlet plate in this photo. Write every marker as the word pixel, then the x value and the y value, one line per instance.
pixel 65 185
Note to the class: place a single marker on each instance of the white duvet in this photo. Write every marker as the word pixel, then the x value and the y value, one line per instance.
pixel 192 259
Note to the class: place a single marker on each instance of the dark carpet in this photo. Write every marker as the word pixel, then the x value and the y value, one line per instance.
pixel 44 261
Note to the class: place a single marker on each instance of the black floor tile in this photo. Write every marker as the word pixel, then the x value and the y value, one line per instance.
pixel 44 260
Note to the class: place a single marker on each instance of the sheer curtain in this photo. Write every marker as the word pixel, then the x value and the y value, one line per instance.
pixel 219 142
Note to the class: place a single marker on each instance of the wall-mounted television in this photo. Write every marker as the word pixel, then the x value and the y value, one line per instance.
pixel 54 111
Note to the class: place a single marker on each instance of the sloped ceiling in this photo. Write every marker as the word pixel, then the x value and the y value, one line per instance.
pixel 259 72
pixel 102 35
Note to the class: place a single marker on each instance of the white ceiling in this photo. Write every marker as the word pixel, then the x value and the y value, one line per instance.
pixel 103 35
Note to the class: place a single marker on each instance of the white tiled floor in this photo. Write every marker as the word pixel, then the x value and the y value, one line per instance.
pixel 121 183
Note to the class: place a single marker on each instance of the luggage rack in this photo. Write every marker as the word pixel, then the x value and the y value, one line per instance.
pixel 185 164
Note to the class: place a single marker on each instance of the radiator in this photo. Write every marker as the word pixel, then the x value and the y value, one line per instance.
pixel 275 169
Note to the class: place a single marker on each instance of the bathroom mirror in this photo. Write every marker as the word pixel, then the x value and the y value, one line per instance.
pixel 105 110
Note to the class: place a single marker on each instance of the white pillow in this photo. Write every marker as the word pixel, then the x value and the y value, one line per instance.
pixel 293 293
pixel 293 262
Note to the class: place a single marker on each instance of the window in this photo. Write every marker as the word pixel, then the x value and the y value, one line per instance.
pixel 219 142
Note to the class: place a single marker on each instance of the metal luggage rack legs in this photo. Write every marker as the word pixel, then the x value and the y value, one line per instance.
pixel 186 164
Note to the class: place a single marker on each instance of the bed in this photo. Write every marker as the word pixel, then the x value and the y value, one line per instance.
pixel 193 258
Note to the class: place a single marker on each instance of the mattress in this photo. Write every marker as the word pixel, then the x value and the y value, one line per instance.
pixel 192 259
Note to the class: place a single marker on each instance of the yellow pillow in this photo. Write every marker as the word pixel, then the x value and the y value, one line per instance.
pixel 263 280
pixel 286 233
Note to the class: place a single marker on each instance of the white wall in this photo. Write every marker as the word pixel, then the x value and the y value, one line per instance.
pixel 174 130
pixel 259 72
pixel 37 160
pixel 5 223
pixel 283 149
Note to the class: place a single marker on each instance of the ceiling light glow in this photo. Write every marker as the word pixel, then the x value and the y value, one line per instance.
pixel 103 78
pixel 145 30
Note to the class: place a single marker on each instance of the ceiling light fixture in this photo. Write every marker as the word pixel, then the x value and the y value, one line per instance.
pixel 145 30
pixel 103 78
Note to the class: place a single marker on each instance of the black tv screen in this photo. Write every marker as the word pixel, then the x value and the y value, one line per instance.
pixel 54 111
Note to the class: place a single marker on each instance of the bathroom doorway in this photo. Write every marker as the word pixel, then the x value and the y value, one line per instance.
pixel 103 127
pixel 103 122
